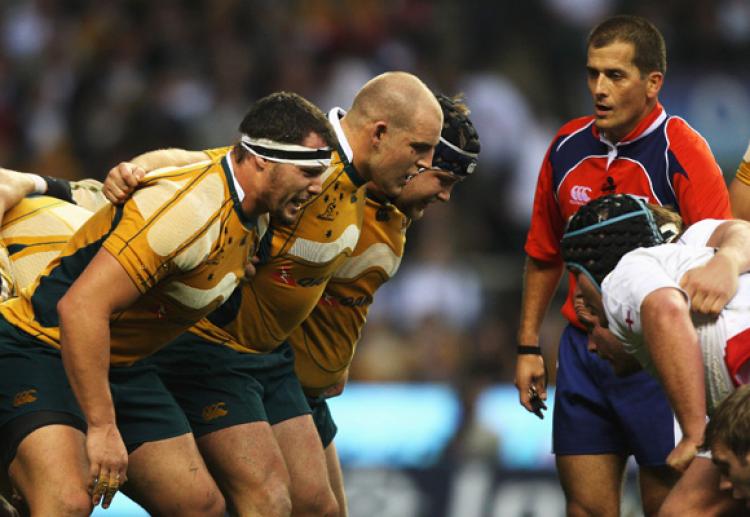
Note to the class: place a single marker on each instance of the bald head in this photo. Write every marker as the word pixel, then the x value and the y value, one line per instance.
pixel 399 98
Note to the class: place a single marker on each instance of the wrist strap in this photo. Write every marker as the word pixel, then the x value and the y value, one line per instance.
pixel 528 350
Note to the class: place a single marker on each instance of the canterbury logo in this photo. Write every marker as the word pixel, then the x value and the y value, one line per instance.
pixel 24 397
pixel 214 411
pixel 579 195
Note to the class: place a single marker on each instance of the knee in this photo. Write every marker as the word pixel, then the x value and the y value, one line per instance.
pixel 272 500
pixel 210 504
pixel 277 500
pixel 67 503
pixel 213 504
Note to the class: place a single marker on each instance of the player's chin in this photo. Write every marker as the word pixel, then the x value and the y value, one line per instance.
pixel 288 214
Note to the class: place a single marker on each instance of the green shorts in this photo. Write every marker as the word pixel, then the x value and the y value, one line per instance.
pixel 218 387
pixel 33 379
pixel 323 419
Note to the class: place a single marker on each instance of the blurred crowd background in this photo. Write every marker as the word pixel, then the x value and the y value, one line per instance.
pixel 85 84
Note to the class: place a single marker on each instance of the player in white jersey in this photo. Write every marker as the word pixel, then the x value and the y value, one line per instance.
pixel 681 310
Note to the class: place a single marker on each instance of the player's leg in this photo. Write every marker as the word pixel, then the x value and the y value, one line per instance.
pixel 216 388
pixel 166 473
pixel 169 477
pixel 303 453
pixel 587 441
pixel 290 415
pixel 697 493
pixel 41 427
pixel 50 471
pixel 655 483
pixel 249 467
pixel 592 483
pixel 327 429
pixel 336 478
pixel 648 425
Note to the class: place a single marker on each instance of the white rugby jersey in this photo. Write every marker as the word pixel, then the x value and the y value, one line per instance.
pixel 643 271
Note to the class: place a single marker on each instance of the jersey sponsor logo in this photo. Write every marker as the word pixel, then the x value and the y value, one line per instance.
pixel 345 301
pixel 24 397
pixel 310 281
pixel 214 411
pixel 579 194
pixel 283 276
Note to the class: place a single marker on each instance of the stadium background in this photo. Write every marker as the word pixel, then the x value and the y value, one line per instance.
pixel 429 424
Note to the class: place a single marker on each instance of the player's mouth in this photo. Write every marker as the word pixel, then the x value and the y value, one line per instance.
pixel 297 202
pixel 602 110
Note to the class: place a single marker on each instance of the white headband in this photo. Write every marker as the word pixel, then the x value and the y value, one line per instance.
pixel 294 154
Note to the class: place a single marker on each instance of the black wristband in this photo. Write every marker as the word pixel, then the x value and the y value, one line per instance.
pixel 528 350
pixel 59 188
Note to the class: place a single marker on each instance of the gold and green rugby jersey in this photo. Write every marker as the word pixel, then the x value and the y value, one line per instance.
pixel 34 232
pixel 181 238
pixel 296 262
pixel 325 342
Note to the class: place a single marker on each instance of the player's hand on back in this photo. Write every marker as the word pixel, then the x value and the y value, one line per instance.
pixel 121 181
pixel 711 286
pixel 683 454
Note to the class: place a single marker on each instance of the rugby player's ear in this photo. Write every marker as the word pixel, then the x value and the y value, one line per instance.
pixel 654 81
pixel 379 129
pixel 260 163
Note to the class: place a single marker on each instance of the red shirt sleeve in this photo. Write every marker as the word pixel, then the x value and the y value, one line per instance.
pixel 547 223
pixel 701 191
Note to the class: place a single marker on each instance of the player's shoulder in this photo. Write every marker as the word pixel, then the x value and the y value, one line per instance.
pixel 197 191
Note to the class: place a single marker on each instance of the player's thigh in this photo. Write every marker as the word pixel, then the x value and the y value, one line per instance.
pixel 655 484
pixel 169 477
pixel 50 469
pixel 245 456
pixel 592 483
pixel 697 493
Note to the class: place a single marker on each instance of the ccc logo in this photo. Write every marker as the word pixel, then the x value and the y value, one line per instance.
pixel 579 195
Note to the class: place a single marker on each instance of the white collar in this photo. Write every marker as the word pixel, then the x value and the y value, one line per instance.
pixel 334 117
pixel 237 186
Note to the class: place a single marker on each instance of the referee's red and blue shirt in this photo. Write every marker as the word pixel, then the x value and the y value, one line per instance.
pixel 663 159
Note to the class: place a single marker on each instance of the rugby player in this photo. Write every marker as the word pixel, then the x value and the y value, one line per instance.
pixel 130 279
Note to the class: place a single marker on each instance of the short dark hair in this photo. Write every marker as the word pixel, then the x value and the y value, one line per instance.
pixel 287 118
pixel 730 424
pixel 650 51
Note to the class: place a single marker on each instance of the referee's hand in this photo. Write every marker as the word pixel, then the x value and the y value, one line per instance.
pixel 530 372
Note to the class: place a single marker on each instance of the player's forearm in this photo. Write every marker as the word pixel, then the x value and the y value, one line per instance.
pixel 732 239
pixel 675 351
pixel 540 282
pixel 168 157
pixel 84 337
